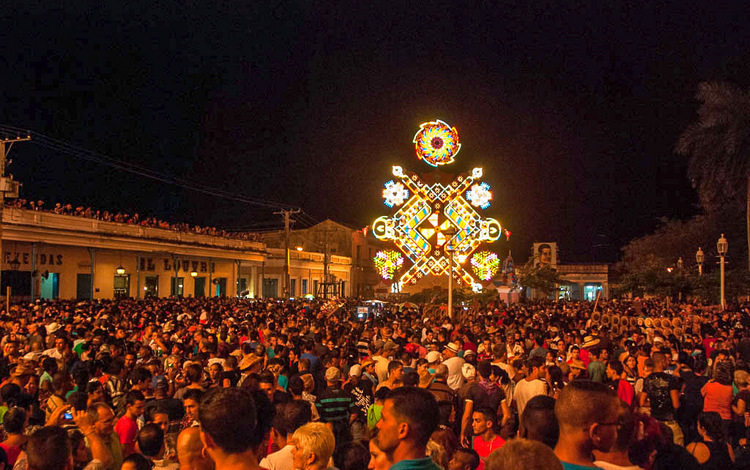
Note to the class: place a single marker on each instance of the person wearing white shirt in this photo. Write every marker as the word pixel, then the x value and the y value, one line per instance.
pixel 531 386
pixel 289 416
pixel 454 365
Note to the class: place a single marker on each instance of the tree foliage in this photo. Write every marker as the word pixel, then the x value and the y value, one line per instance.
pixel 539 277
pixel 718 144
pixel 718 148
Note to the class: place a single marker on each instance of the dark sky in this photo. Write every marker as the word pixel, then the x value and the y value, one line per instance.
pixel 572 111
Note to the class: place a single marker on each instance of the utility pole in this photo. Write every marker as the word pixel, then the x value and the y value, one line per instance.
pixel 287 213
pixel 8 187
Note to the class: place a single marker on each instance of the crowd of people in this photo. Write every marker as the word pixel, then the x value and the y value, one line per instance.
pixel 134 219
pixel 226 383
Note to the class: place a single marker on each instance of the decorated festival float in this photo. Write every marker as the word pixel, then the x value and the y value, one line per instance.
pixel 436 225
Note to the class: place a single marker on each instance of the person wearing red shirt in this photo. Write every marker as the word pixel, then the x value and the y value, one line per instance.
pixel 618 382
pixel 485 439
pixel 127 426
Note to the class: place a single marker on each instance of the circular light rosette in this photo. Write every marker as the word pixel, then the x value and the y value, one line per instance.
pixel 485 264
pixel 479 195
pixel 394 194
pixel 436 143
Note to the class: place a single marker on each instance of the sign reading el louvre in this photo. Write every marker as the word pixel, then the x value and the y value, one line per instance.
pixel 435 223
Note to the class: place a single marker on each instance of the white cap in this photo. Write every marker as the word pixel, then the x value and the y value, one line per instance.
pixel 355 370
pixel 433 356
pixel 468 371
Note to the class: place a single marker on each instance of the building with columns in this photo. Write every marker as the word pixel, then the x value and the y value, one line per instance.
pixel 50 255
pixel 577 281
pixel 342 244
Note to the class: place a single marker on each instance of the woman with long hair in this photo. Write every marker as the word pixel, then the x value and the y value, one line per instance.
pixel 718 392
pixel 712 451
pixel 630 365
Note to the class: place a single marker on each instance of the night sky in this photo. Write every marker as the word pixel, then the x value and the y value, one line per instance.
pixel 572 111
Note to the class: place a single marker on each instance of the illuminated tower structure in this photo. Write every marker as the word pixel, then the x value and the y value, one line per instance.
pixel 435 223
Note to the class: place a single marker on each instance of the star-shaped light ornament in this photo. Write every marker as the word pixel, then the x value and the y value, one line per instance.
pixel 395 194
pixel 479 195
pixel 387 262
pixel 485 264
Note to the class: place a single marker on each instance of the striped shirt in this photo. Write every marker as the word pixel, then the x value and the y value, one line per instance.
pixel 335 405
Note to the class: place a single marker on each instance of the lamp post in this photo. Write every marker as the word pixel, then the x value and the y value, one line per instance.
pixel 449 249
pixel 700 258
pixel 449 233
pixel 722 246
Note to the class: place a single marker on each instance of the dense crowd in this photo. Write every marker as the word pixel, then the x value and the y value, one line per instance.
pixel 134 219
pixel 308 385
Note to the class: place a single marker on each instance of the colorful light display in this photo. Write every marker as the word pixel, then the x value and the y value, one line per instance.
pixel 485 264
pixel 479 195
pixel 436 221
pixel 437 143
pixel 394 194
pixel 387 262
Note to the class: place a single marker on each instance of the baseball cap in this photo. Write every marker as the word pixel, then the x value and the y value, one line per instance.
pixel 355 370
pixel 333 374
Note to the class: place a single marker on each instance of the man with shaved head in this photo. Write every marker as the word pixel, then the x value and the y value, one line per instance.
pixel 190 451
pixel 588 414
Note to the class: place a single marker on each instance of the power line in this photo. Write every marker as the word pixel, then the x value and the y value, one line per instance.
pixel 84 154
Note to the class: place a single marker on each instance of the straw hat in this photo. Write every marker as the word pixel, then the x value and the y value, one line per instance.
pixel 249 361
pixel 589 341
pixel 453 347
pixel 577 364
pixel 367 362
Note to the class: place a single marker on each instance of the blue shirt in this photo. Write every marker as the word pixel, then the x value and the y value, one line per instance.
pixel 314 362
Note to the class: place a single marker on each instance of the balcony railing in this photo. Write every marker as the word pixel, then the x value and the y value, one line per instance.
pixel 50 220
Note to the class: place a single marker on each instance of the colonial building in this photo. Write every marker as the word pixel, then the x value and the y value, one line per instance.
pixel 340 243
pixel 577 281
pixel 49 255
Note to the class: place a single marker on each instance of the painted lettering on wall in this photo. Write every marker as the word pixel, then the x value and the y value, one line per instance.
pixel 24 258
pixel 184 265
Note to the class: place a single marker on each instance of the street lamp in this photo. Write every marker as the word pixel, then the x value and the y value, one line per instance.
pixel 700 258
pixel 193 273
pixel 450 250
pixel 722 246
pixel 120 270
pixel 449 233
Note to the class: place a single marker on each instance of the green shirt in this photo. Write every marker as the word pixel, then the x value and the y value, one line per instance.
pixel 417 464
pixel 572 466
pixel 113 444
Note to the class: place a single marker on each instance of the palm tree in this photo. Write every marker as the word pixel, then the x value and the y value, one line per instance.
pixel 718 146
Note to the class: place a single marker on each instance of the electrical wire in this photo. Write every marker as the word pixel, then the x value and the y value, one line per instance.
pixel 77 152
